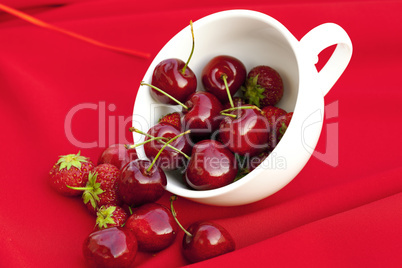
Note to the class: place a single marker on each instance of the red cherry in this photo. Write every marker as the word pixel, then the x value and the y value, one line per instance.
pixel 138 184
pixel 118 155
pixel 111 247
pixel 211 166
pixel 213 74
pixel 169 159
pixel 208 240
pixel 203 240
pixel 168 76
pixel 154 226
pixel 246 133
pixel 175 78
pixel 203 114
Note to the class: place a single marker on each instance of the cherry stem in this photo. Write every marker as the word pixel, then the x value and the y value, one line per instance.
pixel 173 198
pixel 231 115
pixel 224 77
pixel 133 129
pixel 192 49
pixel 166 94
pixel 241 107
pixel 132 146
pixel 164 146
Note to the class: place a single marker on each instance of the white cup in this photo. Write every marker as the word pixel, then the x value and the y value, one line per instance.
pixel 256 39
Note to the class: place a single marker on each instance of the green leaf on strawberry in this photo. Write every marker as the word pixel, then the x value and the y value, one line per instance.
pixel 285 124
pixel 110 215
pixel 263 86
pixel 253 92
pixel 71 160
pixel 92 190
pixel 105 217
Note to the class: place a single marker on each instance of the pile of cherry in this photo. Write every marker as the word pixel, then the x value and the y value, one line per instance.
pixel 122 195
pixel 221 134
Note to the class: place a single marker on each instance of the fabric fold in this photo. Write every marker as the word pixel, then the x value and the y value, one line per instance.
pixel 59 95
pixel 365 236
pixel 284 217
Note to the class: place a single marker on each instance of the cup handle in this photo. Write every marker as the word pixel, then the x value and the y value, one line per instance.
pixel 320 38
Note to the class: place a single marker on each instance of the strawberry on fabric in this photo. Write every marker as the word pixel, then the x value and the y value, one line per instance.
pixel 173 119
pixel 110 216
pixel 72 170
pixel 263 87
pixel 101 188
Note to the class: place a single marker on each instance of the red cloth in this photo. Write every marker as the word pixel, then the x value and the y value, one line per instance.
pixel 345 213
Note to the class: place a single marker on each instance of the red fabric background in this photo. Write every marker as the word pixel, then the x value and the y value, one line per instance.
pixel 345 215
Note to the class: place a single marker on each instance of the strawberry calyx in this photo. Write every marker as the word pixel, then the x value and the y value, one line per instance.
pixel 71 160
pixel 105 216
pixel 92 190
pixel 285 125
pixel 282 129
pixel 252 91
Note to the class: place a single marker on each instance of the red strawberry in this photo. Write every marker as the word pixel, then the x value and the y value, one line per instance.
pixel 109 216
pixel 173 119
pixel 264 86
pixel 71 169
pixel 284 125
pixel 276 116
pixel 101 188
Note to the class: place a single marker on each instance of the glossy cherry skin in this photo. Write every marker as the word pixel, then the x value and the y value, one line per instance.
pixel 154 227
pixel 169 159
pixel 136 186
pixel 203 115
pixel 211 76
pixel 208 240
pixel 247 134
pixel 111 247
pixel 168 77
pixel 118 155
pixel 211 166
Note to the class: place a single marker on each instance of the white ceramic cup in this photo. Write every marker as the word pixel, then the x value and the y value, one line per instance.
pixel 256 39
